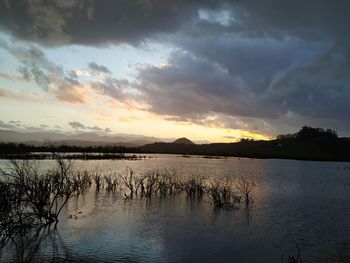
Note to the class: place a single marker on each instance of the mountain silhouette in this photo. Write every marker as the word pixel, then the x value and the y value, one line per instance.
pixel 183 140
pixel 307 144
pixel 83 139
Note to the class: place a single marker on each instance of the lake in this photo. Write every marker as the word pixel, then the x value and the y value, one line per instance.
pixel 297 204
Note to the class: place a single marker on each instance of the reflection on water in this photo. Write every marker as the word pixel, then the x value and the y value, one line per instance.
pixel 296 203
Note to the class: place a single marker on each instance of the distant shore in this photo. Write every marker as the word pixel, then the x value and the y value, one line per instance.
pixel 72 156
pixel 313 144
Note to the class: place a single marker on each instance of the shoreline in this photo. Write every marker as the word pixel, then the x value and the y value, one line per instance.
pixel 142 156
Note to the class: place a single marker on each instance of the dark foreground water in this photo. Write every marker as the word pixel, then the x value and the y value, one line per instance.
pixel 298 204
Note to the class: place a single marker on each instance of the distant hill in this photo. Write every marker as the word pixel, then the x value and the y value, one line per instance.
pixel 183 141
pixel 81 139
pixel 163 147
pixel 83 143
pixel 13 136
pixel 307 144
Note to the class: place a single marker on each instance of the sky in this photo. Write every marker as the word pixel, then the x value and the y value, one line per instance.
pixel 212 71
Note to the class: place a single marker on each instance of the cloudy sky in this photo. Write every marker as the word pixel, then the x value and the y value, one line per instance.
pixel 208 70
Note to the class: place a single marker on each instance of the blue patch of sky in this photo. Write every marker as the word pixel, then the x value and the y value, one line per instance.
pixel 10 65
pixel 121 60
pixel 7 62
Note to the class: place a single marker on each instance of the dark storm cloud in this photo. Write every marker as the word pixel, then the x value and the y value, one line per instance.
pixel 189 85
pixel 320 88
pixel 312 20
pixel 96 22
pixel 266 62
pixel 99 22
pixel 254 61
pixel 262 79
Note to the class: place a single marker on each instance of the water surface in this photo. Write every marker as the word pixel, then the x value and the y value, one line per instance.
pixel 296 204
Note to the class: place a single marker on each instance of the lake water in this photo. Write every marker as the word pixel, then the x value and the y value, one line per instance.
pixel 296 204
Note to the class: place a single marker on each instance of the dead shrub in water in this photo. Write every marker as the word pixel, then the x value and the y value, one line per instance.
pixel 130 182
pixel 44 193
pixel 111 182
pixel 297 259
pixel 97 180
pixel 32 199
pixel 167 183
pixel 222 195
pixel 245 188
pixel 15 220
pixel 82 181
pixel 148 183
pixel 194 187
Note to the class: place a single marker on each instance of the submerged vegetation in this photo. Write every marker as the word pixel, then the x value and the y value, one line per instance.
pixel 32 198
